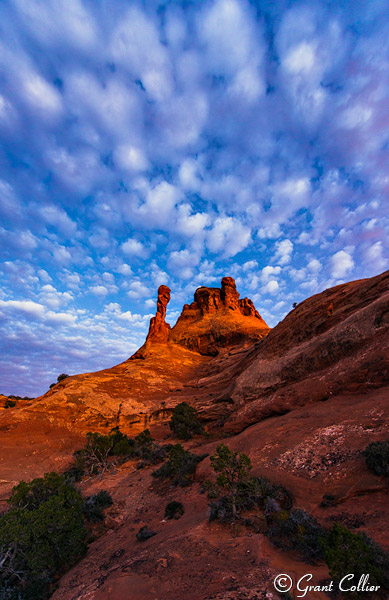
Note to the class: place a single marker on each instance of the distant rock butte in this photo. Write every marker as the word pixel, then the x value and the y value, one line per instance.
pixel 216 319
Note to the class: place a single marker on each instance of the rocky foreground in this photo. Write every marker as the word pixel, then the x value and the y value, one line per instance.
pixel 302 400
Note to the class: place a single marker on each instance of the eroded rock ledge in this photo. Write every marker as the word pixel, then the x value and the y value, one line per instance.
pixel 217 318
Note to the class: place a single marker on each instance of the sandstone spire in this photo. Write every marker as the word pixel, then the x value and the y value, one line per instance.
pixel 159 329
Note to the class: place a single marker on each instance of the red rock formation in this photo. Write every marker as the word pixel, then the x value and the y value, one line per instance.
pixel 159 329
pixel 218 319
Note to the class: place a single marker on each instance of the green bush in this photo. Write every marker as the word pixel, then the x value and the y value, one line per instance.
pixel 184 422
pixel 96 456
pixel 174 510
pixel 295 530
pixel 233 469
pixel 95 504
pixel 42 533
pixel 251 492
pixel 377 458
pixel 180 466
pixel 347 552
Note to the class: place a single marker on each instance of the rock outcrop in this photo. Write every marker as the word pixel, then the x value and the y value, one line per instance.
pixel 218 319
pixel 158 329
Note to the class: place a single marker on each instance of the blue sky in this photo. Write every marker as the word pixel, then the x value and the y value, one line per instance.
pixel 177 142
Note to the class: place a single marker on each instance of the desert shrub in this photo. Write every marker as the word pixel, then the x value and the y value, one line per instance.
pixel 9 403
pixel 42 533
pixel 121 444
pixel 233 470
pixel 147 450
pixel 295 530
pixel 94 506
pixel 347 552
pixel 184 422
pixel 377 458
pixel 180 466
pixel 174 510
pixel 62 377
pixel 144 534
pixel 251 492
pixel 96 456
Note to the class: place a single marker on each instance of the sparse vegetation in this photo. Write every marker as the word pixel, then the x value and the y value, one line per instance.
pixel 174 510
pixel 102 452
pixel 62 377
pixel 180 466
pixel 233 469
pixel 347 552
pixel 42 532
pixel 253 492
pixel 377 458
pixel 147 450
pixel 184 422
pixel 295 530
pixel 144 534
pixel 96 456
pixel 94 506
pixel 9 403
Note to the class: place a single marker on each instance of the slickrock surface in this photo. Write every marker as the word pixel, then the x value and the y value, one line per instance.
pixel 334 342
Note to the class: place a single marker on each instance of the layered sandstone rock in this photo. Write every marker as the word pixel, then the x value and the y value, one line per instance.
pixel 218 319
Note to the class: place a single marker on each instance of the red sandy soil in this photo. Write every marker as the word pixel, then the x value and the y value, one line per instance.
pixel 302 401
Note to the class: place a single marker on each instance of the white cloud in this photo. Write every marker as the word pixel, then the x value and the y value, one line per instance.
pixel 138 290
pixel 271 287
pixel 341 264
pixel 99 290
pixel 25 306
pixel 133 247
pixel 53 215
pixel 124 269
pixel 269 272
pixel 131 158
pixel 228 236
pixel 314 265
pixel 374 255
pixel 272 231
pixel 50 296
pixel 182 263
pixel 157 210
pixel 284 249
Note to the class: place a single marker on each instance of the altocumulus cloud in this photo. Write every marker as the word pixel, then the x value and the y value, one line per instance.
pixel 177 142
